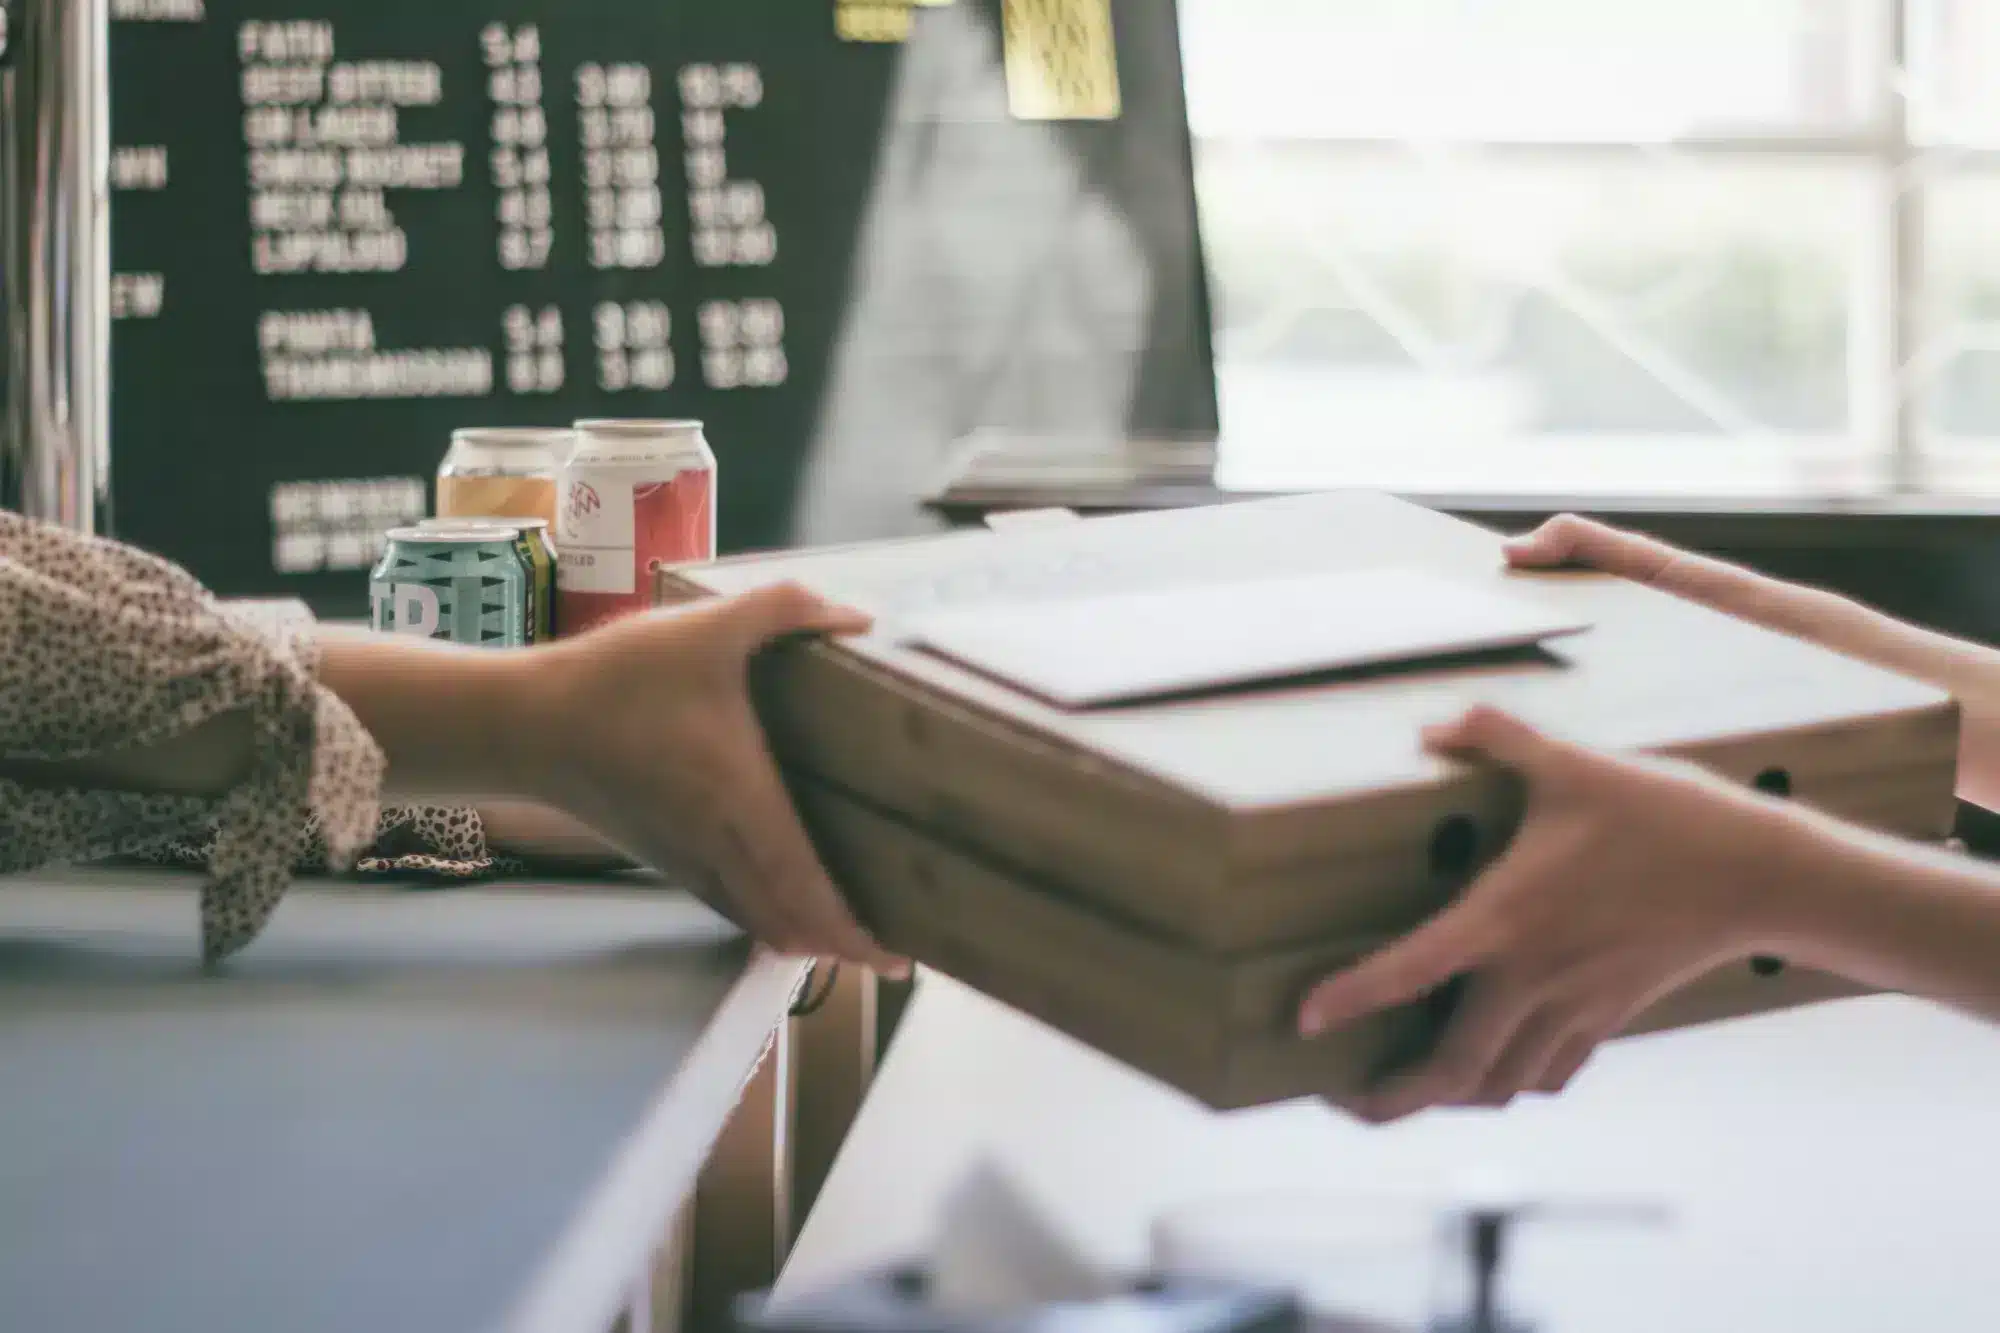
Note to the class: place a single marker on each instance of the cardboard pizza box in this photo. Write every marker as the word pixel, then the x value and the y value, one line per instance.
pixel 1221 1028
pixel 1149 737
pixel 1303 807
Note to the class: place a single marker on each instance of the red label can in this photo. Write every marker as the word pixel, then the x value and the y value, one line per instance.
pixel 634 495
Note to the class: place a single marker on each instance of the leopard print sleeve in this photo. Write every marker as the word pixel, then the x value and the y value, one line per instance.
pixel 413 844
pixel 435 844
pixel 105 649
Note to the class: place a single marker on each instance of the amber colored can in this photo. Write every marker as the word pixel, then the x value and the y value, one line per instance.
pixel 501 472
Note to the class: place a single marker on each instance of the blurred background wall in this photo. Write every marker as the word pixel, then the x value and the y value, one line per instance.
pixel 1668 258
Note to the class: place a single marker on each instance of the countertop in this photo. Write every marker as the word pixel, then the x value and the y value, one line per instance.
pixel 458 1111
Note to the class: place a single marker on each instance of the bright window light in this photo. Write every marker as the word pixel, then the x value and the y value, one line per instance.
pixel 1560 247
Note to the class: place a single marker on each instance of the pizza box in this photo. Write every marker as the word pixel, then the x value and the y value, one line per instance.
pixel 1220 1028
pixel 1197 733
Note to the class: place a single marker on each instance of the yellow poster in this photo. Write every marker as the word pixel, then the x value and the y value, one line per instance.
pixel 1062 63
pixel 872 20
pixel 877 20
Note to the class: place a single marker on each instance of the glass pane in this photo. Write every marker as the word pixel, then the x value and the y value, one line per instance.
pixel 1956 372
pixel 1954 74
pixel 1482 310
pixel 1626 70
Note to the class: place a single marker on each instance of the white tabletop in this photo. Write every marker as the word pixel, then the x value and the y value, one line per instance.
pixel 1831 1170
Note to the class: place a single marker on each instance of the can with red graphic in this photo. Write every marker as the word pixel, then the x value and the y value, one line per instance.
pixel 634 495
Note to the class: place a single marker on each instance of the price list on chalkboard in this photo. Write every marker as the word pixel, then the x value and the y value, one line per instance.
pixel 342 230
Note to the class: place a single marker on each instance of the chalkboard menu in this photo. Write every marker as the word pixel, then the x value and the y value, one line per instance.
pixel 343 228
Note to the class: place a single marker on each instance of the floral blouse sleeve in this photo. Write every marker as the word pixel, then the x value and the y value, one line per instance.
pixel 103 649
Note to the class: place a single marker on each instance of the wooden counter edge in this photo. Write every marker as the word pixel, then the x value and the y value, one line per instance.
pixel 587 1281
pixel 833 1054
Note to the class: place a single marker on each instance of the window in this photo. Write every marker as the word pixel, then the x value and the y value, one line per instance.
pixel 1654 248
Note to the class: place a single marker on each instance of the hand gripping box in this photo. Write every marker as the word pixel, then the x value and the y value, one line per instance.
pixel 1146 778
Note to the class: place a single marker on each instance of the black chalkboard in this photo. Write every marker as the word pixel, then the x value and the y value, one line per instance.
pixel 343 229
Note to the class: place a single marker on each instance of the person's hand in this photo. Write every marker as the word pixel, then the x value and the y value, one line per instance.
pixel 1628 878
pixel 1970 672
pixel 648 736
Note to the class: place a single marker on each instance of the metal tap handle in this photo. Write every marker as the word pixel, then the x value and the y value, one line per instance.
pixel 55 260
pixel 1486 1230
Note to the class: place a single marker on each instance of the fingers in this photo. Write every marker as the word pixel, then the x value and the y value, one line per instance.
pixel 1508 1039
pixel 783 610
pixel 1547 1046
pixel 1615 1011
pixel 1530 1058
pixel 739 892
pixel 1731 589
pixel 1570 1058
pixel 773 870
pixel 1570 540
pixel 804 918
pixel 1451 943
pixel 1487 733
pixel 1473 932
pixel 1488 1021
pixel 758 847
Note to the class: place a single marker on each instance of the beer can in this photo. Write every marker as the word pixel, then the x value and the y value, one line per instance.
pixel 466 584
pixel 532 540
pixel 492 472
pixel 634 496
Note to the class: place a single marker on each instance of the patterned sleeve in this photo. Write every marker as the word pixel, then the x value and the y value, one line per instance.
pixel 433 844
pixel 107 649
pixel 426 843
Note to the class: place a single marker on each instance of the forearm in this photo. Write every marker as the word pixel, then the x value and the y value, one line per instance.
pixel 1895 917
pixel 455 723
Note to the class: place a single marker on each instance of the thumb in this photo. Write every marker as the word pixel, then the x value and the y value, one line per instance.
pixel 1484 732
pixel 1555 542
pixel 783 610
pixel 1569 540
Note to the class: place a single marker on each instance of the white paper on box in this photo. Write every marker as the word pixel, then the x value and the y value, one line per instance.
pixel 1092 651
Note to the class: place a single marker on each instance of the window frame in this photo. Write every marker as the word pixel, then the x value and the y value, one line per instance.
pixel 1887 454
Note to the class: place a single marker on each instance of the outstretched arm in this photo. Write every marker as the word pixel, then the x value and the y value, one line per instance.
pixel 1631 877
pixel 135 710
pixel 1969 671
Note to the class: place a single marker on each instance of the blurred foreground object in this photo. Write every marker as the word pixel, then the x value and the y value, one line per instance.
pixel 996 1265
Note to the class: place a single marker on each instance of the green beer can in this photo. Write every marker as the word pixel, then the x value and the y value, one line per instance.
pixel 467 584
pixel 531 536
